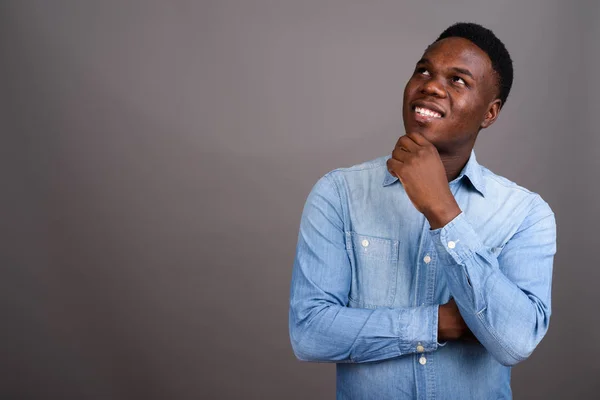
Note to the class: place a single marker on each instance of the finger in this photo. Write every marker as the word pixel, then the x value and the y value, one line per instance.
pixel 400 154
pixel 418 139
pixel 407 144
pixel 394 165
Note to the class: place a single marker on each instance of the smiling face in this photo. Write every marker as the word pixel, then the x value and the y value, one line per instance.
pixel 451 95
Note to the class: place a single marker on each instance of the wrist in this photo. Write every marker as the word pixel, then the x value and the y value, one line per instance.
pixel 440 216
pixel 446 325
pixel 451 325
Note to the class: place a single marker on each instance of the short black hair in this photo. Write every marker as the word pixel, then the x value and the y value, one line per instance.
pixel 492 46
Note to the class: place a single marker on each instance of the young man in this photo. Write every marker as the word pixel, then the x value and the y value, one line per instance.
pixel 423 274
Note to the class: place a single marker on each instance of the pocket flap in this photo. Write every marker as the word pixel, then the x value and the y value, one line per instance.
pixel 374 247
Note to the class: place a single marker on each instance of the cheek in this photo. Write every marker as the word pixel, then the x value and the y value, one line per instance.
pixel 409 89
pixel 465 114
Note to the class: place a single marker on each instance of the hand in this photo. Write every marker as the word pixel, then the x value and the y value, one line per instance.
pixel 451 325
pixel 416 162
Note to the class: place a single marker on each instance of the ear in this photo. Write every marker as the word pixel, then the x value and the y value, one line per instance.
pixel 492 113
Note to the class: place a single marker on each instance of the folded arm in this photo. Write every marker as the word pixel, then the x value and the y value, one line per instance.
pixel 322 327
pixel 504 299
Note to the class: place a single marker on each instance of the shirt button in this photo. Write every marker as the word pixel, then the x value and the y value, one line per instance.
pixel 427 259
pixel 420 349
pixel 451 244
pixel 365 243
pixel 422 360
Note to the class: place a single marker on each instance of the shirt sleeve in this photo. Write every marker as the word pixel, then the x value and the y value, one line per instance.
pixel 322 327
pixel 504 299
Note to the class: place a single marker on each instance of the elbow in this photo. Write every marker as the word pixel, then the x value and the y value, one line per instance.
pixel 510 359
pixel 296 342
pixel 302 352
pixel 301 346
pixel 516 343
pixel 306 349
pixel 309 350
pixel 309 342
pixel 519 351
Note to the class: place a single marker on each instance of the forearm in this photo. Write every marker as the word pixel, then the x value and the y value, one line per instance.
pixel 502 317
pixel 327 332
pixel 507 319
pixel 322 327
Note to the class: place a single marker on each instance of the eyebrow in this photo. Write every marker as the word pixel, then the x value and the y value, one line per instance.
pixel 464 72
pixel 457 69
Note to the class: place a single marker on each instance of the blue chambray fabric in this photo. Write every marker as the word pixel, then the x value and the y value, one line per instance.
pixel 369 275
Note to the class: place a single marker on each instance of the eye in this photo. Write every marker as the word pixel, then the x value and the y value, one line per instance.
pixel 459 80
pixel 422 71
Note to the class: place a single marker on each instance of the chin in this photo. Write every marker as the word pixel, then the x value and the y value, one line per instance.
pixel 426 130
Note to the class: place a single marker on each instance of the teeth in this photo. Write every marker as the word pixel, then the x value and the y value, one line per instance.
pixel 427 112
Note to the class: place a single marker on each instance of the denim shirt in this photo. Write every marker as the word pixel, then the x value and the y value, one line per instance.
pixel 369 275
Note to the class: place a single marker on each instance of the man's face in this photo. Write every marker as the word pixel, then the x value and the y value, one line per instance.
pixel 451 95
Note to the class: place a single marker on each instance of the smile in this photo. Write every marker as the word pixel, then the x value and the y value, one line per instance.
pixel 426 112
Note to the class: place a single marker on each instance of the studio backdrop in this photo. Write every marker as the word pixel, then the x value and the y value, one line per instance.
pixel 156 156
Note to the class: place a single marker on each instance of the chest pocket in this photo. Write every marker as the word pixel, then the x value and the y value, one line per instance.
pixel 374 264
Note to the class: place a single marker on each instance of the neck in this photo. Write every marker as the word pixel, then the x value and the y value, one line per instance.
pixel 454 163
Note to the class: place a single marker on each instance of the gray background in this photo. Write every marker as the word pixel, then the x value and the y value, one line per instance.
pixel 156 156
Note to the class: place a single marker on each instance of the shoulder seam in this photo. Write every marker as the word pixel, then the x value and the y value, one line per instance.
pixel 375 163
pixel 499 179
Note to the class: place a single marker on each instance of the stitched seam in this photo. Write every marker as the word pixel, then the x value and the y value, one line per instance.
pixel 366 305
pixel 333 182
pixel 375 163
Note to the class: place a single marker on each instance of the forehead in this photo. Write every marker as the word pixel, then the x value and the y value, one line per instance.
pixel 460 53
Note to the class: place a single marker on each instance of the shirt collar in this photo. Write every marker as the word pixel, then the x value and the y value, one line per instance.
pixel 471 170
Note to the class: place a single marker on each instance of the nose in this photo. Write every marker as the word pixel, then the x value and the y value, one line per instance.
pixel 433 87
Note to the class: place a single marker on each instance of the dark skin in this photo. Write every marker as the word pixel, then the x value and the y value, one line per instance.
pixel 451 96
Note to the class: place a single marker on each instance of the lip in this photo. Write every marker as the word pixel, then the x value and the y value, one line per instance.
pixel 431 106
